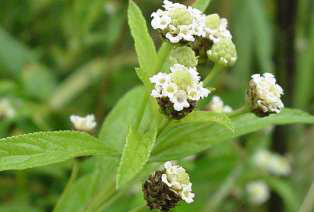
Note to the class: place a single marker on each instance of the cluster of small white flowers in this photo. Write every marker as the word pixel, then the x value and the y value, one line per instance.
pixel 179 22
pixel 181 85
pixel 6 109
pixel 218 106
pixel 273 163
pixel 258 192
pixel 86 123
pixel 265 94
pixel 178 180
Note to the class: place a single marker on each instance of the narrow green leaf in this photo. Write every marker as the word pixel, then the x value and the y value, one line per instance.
pixel 135 154
pixel 43 148
pixel 13 55
pixel 201 4
pixel 262 30
pixel 144 44
pixel 285 190
pixel 178 141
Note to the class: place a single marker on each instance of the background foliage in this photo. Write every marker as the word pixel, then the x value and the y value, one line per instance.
pixel 63 57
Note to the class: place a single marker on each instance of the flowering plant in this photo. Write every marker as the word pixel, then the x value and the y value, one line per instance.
pixel 174 117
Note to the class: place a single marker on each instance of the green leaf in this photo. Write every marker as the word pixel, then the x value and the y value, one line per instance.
pixel 43 148
pixel 203 116
pixel 261 27
pixel 201 4
pixel 144 44
pixel 135 154
pixel 13 55
pixel 116 125
pixel 181 140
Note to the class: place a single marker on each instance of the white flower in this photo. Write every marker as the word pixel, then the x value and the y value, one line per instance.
pixel 179 100
pixel 6 109
pixel 178 180
pixel 262 159
pixel 271 162
pixel 180 86
pixel 160 20
pixel 264 94
pixel 279 165
pixel 257 192
pixel 216 28
pixel 86 123
pixel 169 89
pixel 217 105
pixel 173 38
pixel 160 79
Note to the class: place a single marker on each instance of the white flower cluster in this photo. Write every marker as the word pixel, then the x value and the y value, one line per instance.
pixel 179 22
pixel 218 106
pixel 86 123
pixel 178 180
pixel 6 109
pixel 257 192
pixel 264 94
pixel 271 162
pixel 181 85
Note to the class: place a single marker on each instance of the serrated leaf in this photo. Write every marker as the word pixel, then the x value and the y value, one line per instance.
pixel 43 148
pixel 135 155
pixel 144 44
pixel 182 140
pixel 204 116
pixel 201 4
pixel 116 125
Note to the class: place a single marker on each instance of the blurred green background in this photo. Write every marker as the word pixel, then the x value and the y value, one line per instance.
pixel 63 57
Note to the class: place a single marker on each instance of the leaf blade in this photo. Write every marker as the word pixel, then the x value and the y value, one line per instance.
pixel 186 139
pixel 43 148
pixel 136 153
pixel 144 44
pixel 201 4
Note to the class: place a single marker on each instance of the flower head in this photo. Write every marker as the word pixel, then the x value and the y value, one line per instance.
pixel 86 123
pixel 178 90
pixel 164 189
pixel 257 192
pixel 264 94
pixel 177 22
pixel 6 109
pixel 218 106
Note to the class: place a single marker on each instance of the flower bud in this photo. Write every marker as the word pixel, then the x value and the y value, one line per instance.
pixel 263 94
pixel 183 55
pixel 6 109
pixel 223 52
pixel 218 106
pixel 165 188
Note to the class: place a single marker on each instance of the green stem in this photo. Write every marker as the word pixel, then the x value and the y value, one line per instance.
pixel 212 75
pixel 163 54
pixel 244 109
pixel 69 185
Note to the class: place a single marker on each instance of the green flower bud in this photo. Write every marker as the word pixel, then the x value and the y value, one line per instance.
pixel 185 56
pixel 223 52
pixel 181 16
pixel 212 21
